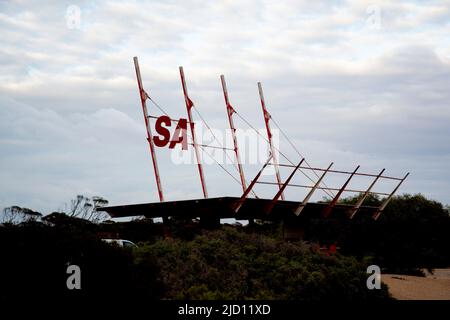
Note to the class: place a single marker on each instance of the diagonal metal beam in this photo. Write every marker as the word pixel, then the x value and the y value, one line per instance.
pixel 241 200
pixel 310 193
pixel 361 200
pixel 327 210
pixel 384 204
pixel 272 203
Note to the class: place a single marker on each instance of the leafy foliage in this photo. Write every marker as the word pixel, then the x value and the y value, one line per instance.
pixel 16 214
pixel 412 233
pixel 86 208
pixel 231 264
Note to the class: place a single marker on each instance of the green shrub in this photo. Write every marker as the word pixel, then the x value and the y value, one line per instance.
pixel 231 264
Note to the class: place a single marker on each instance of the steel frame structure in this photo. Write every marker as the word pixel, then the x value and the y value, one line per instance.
pixel 272 157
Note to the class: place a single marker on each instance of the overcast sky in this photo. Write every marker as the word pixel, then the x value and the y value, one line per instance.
pixel 354 82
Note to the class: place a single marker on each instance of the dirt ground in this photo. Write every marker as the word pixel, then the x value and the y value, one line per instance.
pixel 434 286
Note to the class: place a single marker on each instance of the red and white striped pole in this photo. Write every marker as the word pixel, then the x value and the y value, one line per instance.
pixel 230 111
pixel 269 136
pixel 143 96
pixel 189 105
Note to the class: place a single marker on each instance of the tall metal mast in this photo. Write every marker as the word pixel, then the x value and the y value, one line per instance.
pixel 143 96
pixel 189 105
pixel 269 136
pixel 230 111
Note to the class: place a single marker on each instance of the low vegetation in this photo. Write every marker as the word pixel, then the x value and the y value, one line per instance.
pixel 184 261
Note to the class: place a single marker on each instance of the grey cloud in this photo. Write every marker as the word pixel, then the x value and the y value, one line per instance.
pixel 70 113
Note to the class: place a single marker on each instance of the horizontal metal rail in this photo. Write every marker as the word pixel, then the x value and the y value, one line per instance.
pixel 339 171
pixel 214 147
pixel 323 188
pixel 171 119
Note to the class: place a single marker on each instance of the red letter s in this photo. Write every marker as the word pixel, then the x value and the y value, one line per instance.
pixel 164 132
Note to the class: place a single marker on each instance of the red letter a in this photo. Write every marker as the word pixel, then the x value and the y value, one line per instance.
pixel 180 138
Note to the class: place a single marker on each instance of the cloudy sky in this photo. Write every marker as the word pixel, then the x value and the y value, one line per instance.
pixel 354 82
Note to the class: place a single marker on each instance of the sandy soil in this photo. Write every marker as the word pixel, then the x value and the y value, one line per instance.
pixel 434 286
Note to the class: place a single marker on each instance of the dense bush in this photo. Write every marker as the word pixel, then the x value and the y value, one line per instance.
pixel 35 257
pixel 413 232
pixel 230 264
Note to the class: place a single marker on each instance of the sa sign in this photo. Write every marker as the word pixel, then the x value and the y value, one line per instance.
pixel 163 139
